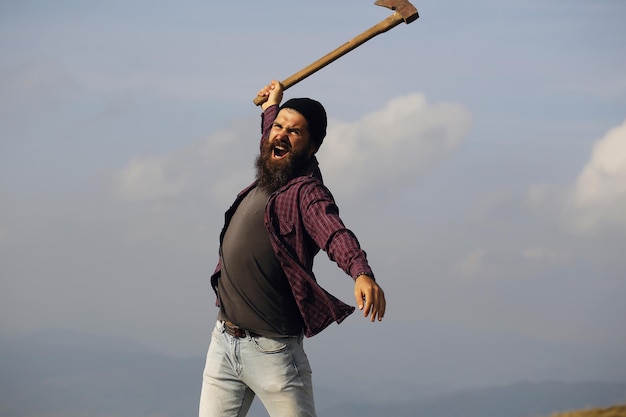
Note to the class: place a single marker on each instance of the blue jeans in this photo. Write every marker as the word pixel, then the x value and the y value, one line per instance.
pixel 275 369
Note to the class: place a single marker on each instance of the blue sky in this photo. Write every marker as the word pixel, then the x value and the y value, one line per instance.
pixel 479 153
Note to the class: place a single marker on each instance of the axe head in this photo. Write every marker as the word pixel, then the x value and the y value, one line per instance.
pixel 402 7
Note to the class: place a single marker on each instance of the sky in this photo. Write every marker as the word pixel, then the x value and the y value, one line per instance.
pixel 478 153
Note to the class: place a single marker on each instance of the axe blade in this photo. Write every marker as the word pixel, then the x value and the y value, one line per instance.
pixel 402 7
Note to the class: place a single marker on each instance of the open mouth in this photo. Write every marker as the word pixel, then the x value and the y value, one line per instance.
pixel 280 150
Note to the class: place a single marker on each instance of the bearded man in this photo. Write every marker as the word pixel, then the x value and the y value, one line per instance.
pixel 267 294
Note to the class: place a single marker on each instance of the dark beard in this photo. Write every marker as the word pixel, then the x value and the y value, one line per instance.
pixel 272 175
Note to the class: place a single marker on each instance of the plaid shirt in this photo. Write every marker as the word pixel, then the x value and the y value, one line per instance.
pixel 301 218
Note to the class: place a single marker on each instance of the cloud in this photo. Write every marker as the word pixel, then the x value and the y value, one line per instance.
pixel 595 201
pixel 599 194
pixel 553 228
pixel 389 148
pixel 384 150
pixel 218 165
pixel 151 178
pixel 169 197
pixel 514 263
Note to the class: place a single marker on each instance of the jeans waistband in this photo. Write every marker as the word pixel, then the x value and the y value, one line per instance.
pixel 236 331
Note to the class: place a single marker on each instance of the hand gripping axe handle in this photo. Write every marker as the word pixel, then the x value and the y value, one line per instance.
pixel 403 12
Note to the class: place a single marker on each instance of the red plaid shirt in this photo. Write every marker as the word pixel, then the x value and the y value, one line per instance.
pixel 301 218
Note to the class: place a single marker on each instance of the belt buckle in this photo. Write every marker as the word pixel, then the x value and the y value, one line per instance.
pixel 234 330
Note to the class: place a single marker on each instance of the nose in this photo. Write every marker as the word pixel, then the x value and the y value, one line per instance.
pixel 281 133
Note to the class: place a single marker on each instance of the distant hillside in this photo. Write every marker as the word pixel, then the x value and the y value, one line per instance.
pixel 39 379
pixel 615 411
pixel 523 399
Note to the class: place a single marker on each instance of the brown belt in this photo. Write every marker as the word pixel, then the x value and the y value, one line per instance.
pixel 236 331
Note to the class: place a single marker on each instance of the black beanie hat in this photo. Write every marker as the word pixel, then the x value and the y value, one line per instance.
pixel 315 116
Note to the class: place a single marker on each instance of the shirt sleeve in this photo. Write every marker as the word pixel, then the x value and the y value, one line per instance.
pixel 325 226
pixel 267 119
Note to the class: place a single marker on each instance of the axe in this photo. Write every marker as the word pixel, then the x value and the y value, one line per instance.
pixel 403 12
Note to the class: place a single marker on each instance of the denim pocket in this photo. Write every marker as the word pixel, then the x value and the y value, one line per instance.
pixel 268 345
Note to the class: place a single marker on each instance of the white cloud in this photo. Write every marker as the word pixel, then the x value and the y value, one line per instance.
pixel 508 262
pixel 392 146
pixel 150 178
pixel 599 194
pixel 384 149
pixel 595 201
pixel 215 165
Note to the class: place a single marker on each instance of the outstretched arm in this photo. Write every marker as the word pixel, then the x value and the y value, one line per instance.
pixel 323 224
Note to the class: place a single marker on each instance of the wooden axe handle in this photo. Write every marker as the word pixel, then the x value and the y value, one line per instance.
pixel 390 22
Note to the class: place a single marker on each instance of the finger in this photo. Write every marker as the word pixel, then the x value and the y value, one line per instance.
pixel 374 309
pixel 367 307
pixel 369 299
pixel 359 297
pixel 382 306
pixel 267 89
pixel 376 314
pixel 381 310
pixel 378 305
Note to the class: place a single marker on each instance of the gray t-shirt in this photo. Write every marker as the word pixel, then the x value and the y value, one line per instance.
pixel 253 290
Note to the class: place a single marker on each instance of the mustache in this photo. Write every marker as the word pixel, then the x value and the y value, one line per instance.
pixel 280 143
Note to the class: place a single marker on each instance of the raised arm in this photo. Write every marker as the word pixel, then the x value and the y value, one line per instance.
pixel 274 92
